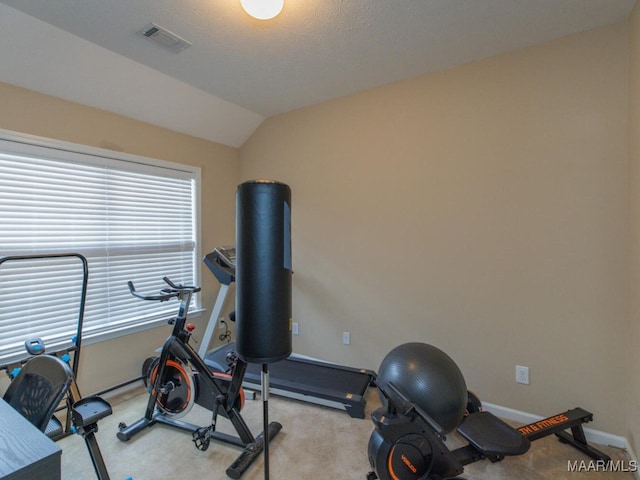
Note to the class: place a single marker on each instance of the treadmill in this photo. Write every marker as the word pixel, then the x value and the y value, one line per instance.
pixel 296 377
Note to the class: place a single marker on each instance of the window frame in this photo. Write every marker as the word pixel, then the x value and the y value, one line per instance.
pixel 20 143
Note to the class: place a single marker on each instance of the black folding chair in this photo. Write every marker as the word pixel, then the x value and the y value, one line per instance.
pixel 39 388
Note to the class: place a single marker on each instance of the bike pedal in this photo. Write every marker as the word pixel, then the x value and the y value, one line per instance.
pixel 201 438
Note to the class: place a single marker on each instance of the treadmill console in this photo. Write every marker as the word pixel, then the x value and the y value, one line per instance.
pixel 222 263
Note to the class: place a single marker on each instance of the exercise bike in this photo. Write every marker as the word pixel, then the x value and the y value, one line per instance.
pixel 44 382
pixel 179 378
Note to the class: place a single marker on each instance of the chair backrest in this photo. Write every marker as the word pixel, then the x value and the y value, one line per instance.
pixel 39 388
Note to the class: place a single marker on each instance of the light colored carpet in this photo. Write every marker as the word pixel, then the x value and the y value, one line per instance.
pixel 315 442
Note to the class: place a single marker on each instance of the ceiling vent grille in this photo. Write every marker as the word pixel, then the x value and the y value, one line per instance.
pixel 164 37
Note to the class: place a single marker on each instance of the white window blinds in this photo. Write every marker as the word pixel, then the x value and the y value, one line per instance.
pixel 133 218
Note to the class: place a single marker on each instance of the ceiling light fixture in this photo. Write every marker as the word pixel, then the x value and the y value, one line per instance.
pixel 262 9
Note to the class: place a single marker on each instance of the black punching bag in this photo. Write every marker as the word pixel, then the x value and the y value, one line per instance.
pixel 263 271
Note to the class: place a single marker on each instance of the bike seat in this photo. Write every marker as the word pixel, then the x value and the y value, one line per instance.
pixel 491 436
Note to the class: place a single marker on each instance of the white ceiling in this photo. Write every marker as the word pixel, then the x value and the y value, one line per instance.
pixel 240 71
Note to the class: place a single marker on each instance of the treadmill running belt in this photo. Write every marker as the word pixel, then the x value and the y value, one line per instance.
pixel 308 380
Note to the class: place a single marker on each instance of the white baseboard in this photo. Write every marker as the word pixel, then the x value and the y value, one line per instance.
pixel 595 436
pixel 121 390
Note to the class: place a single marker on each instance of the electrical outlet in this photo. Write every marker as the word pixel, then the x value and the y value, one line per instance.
pixel 346 338
pixel 522 374
pixel 221 323
pixel 294 328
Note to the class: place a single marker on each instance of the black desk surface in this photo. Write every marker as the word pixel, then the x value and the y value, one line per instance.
pixel 25 452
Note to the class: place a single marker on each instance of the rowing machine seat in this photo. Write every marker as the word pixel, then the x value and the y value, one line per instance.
pixel 492 437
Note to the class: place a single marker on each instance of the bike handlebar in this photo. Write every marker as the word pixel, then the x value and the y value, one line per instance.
pixel 165 294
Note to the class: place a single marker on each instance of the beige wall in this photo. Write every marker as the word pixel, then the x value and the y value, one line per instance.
pixel 633 372
pixel 483 209
pixel 105 364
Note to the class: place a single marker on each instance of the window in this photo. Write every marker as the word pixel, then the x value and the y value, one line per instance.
pixel 133 218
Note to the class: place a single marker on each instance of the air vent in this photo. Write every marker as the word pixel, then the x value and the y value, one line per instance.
pixel 164 37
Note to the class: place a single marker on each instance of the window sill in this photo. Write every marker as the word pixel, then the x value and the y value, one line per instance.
pixel 90 339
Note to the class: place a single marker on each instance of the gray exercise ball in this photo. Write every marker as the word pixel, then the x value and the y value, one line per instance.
pixel 429 378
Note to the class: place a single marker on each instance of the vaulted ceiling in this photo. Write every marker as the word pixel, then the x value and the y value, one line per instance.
pixel 239 71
